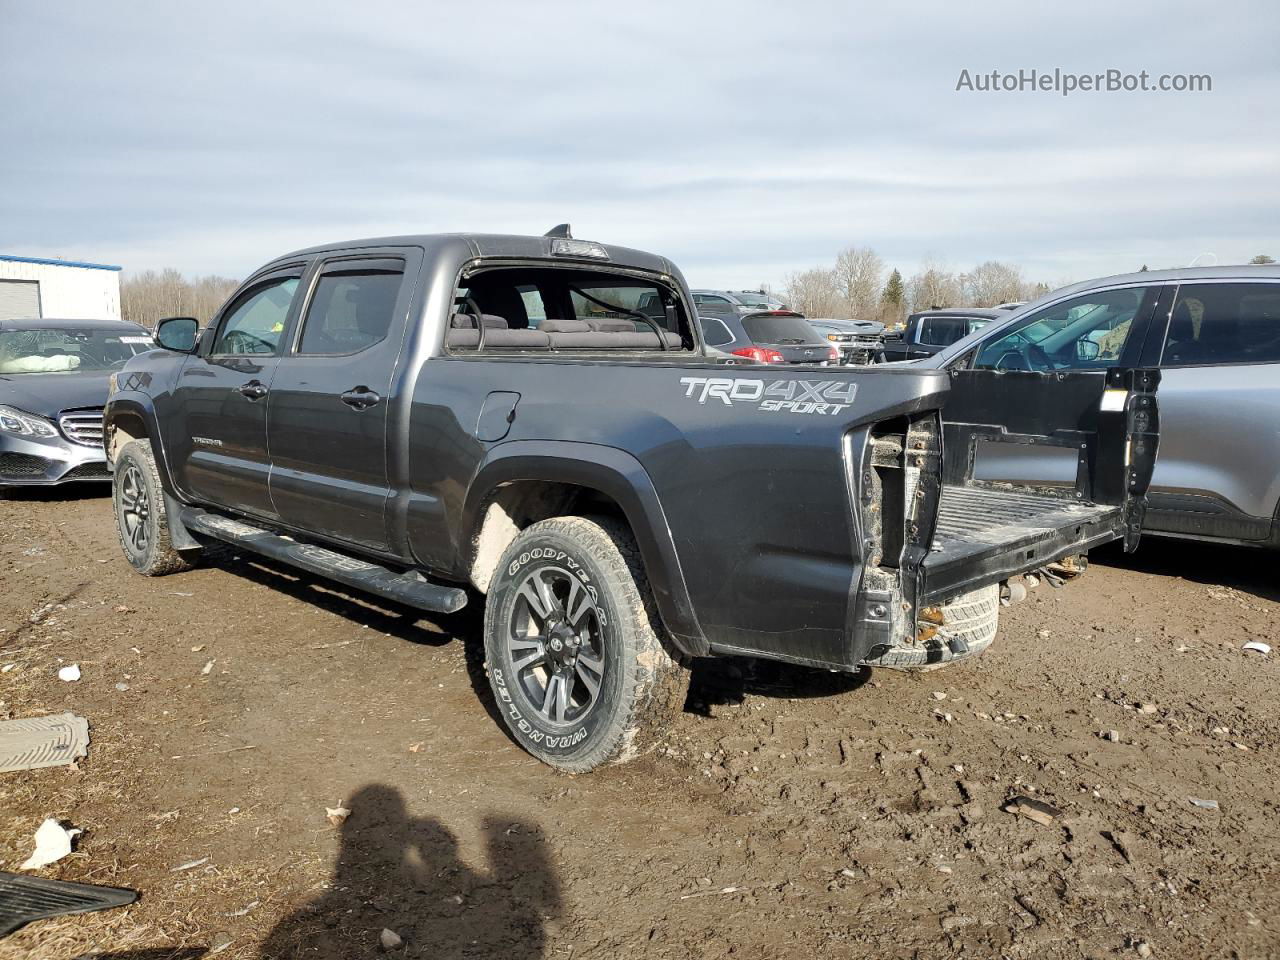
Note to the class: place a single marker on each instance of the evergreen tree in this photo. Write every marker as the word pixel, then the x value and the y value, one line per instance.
pixel 891 298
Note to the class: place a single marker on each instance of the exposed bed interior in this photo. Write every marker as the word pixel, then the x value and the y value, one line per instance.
pixel 555 309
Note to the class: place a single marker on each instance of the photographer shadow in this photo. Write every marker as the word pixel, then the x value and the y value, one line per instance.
pixel 404 874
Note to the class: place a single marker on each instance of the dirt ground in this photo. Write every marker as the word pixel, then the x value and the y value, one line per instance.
pixel 790 813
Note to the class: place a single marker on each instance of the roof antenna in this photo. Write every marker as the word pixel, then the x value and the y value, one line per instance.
pixel 1196 262
pixel 559 230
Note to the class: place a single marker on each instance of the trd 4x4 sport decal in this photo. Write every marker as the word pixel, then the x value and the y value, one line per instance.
pixel 780 394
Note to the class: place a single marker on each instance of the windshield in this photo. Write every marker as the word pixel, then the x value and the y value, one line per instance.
pixel 749 300
pixel 788 328
pixel 68 349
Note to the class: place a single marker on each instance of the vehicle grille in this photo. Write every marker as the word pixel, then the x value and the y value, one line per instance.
pixel 22 465
pixel 87 471
pixel 82 426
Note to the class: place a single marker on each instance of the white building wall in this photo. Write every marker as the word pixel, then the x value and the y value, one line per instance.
pixel 70 293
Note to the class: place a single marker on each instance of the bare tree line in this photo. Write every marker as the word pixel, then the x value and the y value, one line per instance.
pixel 150 296
pixel 856 285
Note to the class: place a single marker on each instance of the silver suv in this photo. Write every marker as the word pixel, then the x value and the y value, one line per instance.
pixel 1214 333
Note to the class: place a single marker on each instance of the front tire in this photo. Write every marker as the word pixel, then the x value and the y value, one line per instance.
pixel 573 646
pixel 141 521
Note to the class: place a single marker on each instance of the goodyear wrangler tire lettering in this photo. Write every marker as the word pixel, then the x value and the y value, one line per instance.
pixel 575 660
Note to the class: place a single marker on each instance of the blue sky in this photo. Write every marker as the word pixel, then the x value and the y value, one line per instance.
pixel 744 140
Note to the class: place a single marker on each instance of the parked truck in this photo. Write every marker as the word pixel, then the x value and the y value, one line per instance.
pixel 440 420
pixel 932 331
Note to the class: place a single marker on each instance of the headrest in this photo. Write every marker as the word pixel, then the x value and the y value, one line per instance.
pixel 467 321
pixel 551 325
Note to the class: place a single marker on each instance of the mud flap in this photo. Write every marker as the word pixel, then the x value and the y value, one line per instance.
pixel 24 899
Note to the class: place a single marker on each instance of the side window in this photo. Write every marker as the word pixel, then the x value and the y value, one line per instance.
pixel 714 333
pixel 941 331
pixel 1088 332
pixel 351 310
pixel 256 323
pixel 1215 323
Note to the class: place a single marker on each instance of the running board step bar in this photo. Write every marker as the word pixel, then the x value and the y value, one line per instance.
pixel 411 588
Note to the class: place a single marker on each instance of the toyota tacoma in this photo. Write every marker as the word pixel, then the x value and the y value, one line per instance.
pixel 436 419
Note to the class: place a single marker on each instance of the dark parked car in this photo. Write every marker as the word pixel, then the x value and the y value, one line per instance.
pixel 1214 334
pixel 383 413
pixel 931 331
pixel 53 385
pixel 775 336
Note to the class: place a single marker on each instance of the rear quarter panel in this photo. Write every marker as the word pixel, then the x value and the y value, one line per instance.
pixel 748 463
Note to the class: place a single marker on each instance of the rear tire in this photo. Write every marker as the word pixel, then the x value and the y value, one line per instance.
pixel 141 521
pixel 973 618
pixel 573 646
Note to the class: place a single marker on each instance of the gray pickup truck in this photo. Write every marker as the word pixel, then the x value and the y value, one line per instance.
pixel 434 418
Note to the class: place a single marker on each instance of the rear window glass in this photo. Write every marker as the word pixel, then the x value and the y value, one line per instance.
pixel 714 333
pixel 1219 323
pixel 942 331
pixel 350 311
pixel 770 328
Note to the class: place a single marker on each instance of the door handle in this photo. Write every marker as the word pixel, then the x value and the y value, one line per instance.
pixel 361 398
pixel 254 390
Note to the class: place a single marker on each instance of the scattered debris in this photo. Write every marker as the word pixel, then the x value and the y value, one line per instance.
pixel 69 674
pixel 1257 646
pixel 208 668
pixel 390 940
pixel 245 910
pixel 1111 735
pixel 36 742
pixel 1144 949
pixel 417 747
pixel 122 609
pixel 1043 634
pixel 7 667
pixel 1147 708
pixel 122 687
pixel 1037 810
pixel 939 695
pixel 337 815
pixel 190 865
pixel 53 842
pixel 197 649
pixel 1203 804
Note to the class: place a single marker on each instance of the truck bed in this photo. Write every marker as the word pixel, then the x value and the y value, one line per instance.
pixel 999 530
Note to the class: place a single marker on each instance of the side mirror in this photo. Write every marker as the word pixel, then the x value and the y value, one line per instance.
pixel 1088 350
pixel 178 334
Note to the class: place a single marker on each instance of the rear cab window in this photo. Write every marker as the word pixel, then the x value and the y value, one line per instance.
pixel 566 311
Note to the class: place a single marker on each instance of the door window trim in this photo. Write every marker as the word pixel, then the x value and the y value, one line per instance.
pixel 341 263
pixel 251 287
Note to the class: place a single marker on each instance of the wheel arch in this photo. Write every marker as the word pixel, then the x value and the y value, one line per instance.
pixel 126 419
pixel 524 481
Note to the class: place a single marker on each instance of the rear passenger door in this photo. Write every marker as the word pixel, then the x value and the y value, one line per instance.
pixel 1218 472
pixel 330 400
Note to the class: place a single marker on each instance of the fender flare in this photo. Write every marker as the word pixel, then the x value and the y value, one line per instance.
pixel 120 409
pixel 621 477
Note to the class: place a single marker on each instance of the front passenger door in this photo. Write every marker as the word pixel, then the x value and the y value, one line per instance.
pixel 218 438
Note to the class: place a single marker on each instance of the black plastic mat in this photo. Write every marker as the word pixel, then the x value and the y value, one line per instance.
pixel 23 899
